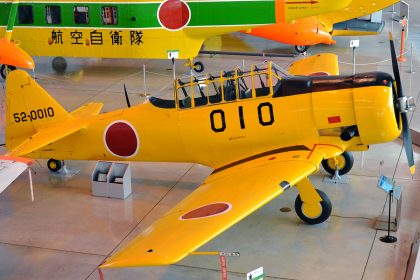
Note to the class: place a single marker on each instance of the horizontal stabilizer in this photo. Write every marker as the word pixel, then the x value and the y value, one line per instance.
pixel 87 110
pixel 10 168
pixel 46 136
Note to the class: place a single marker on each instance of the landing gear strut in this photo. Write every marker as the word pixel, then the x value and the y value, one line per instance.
pixel 312 205
pixel 197 66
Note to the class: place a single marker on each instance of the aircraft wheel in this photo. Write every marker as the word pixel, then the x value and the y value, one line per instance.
pixel 59 64
pixel 54 165
pixel 344 162
pixel 198 67
pixel 301 48
pixel 4 71
pixel 325 209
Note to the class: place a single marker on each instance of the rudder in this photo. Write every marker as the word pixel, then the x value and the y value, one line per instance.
pixel 28 108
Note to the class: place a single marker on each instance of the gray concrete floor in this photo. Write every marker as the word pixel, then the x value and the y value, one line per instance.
pixel 66 233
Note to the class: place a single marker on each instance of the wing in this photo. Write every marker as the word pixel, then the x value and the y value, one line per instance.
pixel 226 197
pixel 357 8
pixel 10 169
pixel 316 65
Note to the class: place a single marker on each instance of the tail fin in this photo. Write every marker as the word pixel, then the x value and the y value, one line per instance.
pixel 29 108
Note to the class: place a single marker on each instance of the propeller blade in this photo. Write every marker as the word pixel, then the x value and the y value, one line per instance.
pixel 395 67
pixel 408 145
pixel 126 97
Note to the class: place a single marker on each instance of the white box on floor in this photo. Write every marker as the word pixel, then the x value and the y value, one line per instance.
pixel 111 179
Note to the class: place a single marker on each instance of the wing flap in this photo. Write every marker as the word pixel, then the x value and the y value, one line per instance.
pixel 46 136
pixel 222 200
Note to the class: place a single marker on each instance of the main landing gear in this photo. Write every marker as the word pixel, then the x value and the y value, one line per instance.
pixel 5 70
pixel 343 163
pixel 197 66
pixel 312 205
pixel 301 48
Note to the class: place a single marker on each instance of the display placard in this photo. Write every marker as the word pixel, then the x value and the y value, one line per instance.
pixel 257 274
pixel 385 184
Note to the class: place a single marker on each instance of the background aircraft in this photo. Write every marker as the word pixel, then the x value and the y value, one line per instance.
pixel 139 28
pixel 320 29
pixel 10 54
pixel 261 131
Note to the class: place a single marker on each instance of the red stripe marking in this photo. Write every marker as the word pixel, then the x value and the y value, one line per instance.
pixel 313 149
pixel 27 161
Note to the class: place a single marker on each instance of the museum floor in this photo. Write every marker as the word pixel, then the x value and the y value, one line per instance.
pixel 66 233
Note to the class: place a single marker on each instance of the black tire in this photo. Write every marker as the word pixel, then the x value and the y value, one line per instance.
pixel 4 71
pixel 301 48
pixel 198 67
pixel 59 64
pixel 325 214
pixel 54 165
pixel 345 163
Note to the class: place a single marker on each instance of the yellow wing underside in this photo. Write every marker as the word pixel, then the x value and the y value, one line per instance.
pixel 357 8
pixel 242 189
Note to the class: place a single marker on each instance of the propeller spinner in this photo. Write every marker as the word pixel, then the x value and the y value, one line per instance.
pixel 403 104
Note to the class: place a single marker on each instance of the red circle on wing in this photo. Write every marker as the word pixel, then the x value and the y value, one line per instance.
pixel 121 139
pixel 174 14
pixel 207 211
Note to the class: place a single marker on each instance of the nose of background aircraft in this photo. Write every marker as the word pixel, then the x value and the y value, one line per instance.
pixel 11 54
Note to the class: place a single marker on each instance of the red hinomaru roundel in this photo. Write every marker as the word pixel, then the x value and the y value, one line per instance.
pixel 174 14
pixel 121 139
pixel 208 210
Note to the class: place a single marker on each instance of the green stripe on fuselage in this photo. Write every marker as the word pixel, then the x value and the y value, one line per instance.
pixel 202 14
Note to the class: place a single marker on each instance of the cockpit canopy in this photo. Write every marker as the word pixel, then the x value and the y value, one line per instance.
pixel 263 80
pixel 224 86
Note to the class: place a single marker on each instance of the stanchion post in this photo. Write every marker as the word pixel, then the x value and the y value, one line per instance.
pixel 354 44
pixel 403 22
pixel 144 79
pixel 412 71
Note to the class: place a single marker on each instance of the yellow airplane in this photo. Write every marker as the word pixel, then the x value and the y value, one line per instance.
pixel 140 28
pixel 320 29
pixel 262 132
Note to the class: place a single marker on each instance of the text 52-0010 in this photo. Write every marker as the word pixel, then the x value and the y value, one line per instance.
pixel 35 114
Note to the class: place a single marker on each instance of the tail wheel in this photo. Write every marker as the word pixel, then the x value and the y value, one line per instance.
pixel 54 165
pixel 198 67
pixel 310 217
pixel 6 69
pixel 301 48
pixel 344 163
